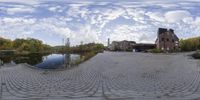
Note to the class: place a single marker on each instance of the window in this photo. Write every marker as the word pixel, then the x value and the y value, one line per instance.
pixel 173 40
pixel 167 48
pixel 163 39
pixel 167 33
pixel 167 39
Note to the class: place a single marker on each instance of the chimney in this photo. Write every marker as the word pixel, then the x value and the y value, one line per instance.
pixel 161 30
pixel 171 30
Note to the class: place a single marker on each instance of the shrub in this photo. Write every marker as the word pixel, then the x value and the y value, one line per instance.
pixel 155 51
pixel 190 44
pixel 196 55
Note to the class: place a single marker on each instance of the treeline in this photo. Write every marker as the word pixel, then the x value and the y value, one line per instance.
pixel 95 47
pixel 190 44
pixel 84 48
pixel 29 45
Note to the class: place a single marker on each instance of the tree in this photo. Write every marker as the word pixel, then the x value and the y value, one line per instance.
pixel 29 45
pixel 190 44
pixel 5 44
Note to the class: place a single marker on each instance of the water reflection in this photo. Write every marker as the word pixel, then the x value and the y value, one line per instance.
pixel 45 61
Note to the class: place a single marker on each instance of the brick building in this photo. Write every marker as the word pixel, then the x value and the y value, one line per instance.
pixel 167 40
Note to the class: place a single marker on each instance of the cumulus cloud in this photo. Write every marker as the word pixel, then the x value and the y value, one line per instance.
pixel 30 2
pixel 56 9
pixel 14 9
pixel 197 21
pixel 13 21
pixel 100 17
pixel 96 21
pixel 176 15
pixel 157 16
pixel 132 33
pixel 19 10
pixel 137 14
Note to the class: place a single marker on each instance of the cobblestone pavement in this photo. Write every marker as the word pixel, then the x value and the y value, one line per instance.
pixel 107 76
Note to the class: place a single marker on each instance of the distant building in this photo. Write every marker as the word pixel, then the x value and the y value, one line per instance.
pixel 122 45
pixel 143 47
pixel 167 40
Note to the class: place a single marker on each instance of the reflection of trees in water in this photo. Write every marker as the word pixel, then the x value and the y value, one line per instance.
pixel 67 60
pixel 31 59
pixel 6 59
pixel 34 59
pixel 72 61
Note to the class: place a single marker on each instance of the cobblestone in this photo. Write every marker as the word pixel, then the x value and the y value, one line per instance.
pixel 109 75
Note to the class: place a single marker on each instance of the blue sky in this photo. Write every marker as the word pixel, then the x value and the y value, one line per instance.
pixel 97 20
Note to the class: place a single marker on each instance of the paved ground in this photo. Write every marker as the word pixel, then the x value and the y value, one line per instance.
pixel 107 76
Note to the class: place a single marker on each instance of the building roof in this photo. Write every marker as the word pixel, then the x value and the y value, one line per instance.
pixel 175 36
pixel 144 44
pixel 124 41
pixel 164 30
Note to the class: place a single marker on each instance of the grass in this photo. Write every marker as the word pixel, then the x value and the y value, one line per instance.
pixel 155 51
pixel 84 57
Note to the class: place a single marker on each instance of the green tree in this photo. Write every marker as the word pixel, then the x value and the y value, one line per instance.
pixel 190 44
pixel 5 44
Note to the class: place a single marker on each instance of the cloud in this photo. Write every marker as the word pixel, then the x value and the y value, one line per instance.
pixel 197 21
pixel 77 11
pixel 132 33
pixel 136 14
pixel 176 15
pixel 29 2
pixel 27 27
pixel 16 21
pixel 56 9
pixel 156 16
pixel 12 11
pixel 100 17
pixel 91 21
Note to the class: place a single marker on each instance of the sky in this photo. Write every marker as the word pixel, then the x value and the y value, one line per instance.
pixel 97 20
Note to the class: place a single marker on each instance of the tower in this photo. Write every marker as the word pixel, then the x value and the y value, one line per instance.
pixel 108 42
pixel 68 42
